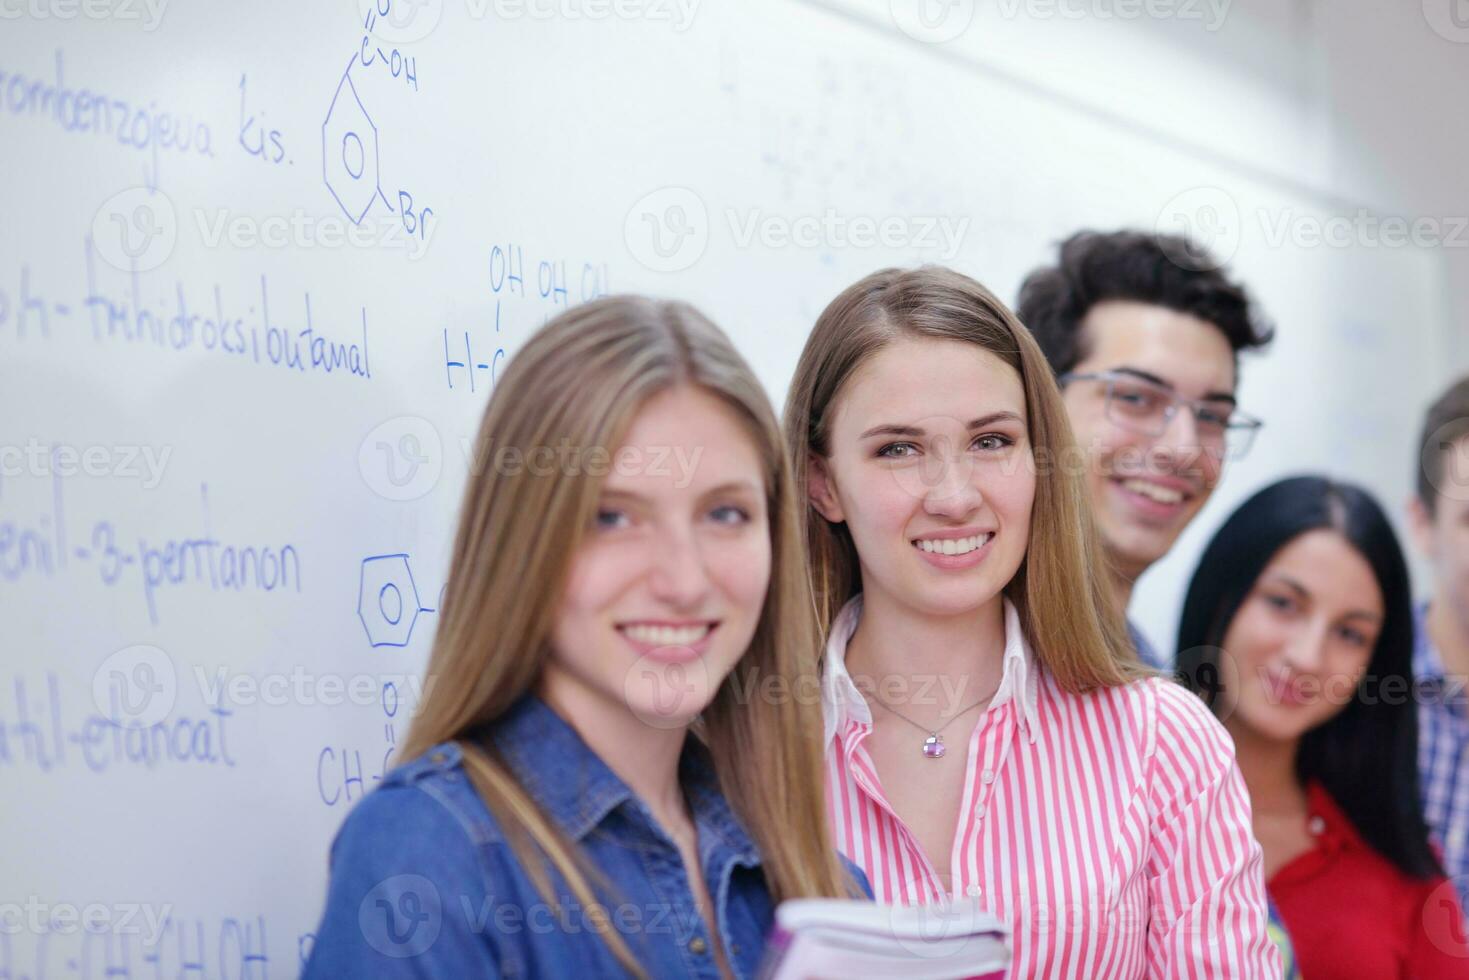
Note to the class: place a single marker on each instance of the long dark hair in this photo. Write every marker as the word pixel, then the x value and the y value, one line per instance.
pixel 1366 757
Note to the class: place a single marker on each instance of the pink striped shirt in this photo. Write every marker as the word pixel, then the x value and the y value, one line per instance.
pixel 1111 830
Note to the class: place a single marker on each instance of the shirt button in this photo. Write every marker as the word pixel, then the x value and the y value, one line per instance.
pixel 988 776
pixel 697 945
pixel 979 811
pixel 974 891
pixel 1316 826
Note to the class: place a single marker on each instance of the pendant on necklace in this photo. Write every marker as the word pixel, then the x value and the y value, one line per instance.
pixel 933 746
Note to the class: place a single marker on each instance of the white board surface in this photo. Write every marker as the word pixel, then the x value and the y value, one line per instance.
pixel 259 266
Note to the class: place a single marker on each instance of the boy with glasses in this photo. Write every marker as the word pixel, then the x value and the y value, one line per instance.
pixel 1439 518
pixel 1144 332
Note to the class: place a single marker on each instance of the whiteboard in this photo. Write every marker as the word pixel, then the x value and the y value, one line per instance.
pixel 260 267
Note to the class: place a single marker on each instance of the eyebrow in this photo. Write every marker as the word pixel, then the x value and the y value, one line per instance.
pixel 1302 590
pixel 912 430
pixel 1213 396
pixel 729 486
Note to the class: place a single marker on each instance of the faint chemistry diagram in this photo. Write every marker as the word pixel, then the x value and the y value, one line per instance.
pixel 388 603
pixel 351 142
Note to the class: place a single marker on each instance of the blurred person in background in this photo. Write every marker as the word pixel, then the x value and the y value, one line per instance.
pixel 1297 630
pixel 1439 518
pixel 1137 326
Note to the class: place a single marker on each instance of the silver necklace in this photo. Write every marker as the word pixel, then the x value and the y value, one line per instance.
pixel 933 745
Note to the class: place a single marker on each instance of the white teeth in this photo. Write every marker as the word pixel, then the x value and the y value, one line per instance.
pixel 953 546
pixel 1152 491
pixel 666 636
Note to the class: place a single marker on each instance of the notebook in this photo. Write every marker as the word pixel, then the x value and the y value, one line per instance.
pixel 835 939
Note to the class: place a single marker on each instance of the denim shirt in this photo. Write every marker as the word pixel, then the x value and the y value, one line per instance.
pixel 424 882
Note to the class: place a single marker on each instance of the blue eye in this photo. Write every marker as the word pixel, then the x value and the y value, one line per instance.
pixel 607 520
pixel 993 442
pixel 730 514
pixel 1282 603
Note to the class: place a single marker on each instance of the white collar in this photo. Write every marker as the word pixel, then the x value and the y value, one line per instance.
pixel 841 700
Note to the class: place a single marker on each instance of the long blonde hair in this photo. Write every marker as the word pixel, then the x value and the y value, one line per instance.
pixel 579 382
pixel 1061 590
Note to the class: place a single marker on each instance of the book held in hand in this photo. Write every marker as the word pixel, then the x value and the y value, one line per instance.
pixel 835 939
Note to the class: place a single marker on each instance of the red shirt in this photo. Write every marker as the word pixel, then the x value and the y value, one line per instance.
pixel 1351 913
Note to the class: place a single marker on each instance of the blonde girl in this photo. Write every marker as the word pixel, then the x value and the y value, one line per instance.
pixel 588 788
pixel 989 733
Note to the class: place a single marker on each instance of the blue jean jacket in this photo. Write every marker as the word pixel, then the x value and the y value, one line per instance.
pixel 424 883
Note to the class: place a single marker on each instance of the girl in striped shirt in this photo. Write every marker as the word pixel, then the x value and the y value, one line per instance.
pixel 988 731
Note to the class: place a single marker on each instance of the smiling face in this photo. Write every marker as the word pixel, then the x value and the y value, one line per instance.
pixel 667 587
pixel 1145 489
pixel 1302 638
pixel 930 467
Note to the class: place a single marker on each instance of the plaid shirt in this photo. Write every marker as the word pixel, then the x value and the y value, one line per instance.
pixel 1443 755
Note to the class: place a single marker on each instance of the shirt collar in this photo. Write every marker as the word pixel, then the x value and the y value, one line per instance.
pixel 842 701
pixel 1335 832
pixel 578 791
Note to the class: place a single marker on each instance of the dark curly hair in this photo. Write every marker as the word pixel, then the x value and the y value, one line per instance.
pixel 1163 270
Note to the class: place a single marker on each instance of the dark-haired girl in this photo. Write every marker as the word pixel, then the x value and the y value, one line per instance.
pixel 1297 629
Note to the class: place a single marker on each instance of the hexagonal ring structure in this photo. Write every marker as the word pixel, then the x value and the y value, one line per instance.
pixel 349 152
pixel 387 600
